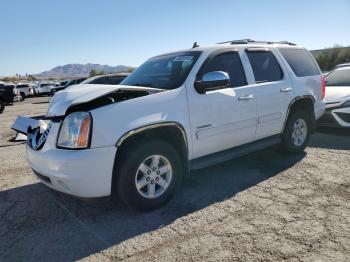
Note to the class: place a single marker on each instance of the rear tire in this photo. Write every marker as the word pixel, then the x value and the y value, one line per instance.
pixel 23 95
pixel 296 134
pixel 139 177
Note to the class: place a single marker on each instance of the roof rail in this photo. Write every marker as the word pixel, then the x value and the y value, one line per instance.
pixel 251 41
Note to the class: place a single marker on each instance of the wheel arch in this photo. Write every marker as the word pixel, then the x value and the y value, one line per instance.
pixel 306 102
pixel 171 132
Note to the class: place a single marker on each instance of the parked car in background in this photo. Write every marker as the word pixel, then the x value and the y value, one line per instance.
pixel 7 94
pixel 44 89
pixel 110 79
pixel 178 111
pixel 337 99
pixel 68 83
pixel 17 96
pixel 24 89
pixel 342 65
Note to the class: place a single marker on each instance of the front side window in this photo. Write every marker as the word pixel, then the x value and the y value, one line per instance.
pixel 164 72
pixel 301 62
pixel 338 78
pixel 231 64
pixel 265 66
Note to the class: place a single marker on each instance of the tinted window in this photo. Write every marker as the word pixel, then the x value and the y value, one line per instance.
pixel 100 80
pixel 265 66
pixel 338 78
pixel 165 72
pixel 115 80
pixel 231 64
pixel 22 86
pixel 301 62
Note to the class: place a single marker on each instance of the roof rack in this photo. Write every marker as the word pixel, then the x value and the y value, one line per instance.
pixel 250 41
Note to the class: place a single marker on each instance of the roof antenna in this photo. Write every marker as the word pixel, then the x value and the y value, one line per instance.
pixel 195 45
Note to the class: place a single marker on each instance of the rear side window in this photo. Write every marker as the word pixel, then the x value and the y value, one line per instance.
pixel 231 64
pixel 265 66
pixel 301 62
pixel 338 78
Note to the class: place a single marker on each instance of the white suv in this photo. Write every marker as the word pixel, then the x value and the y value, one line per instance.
pixel 178 111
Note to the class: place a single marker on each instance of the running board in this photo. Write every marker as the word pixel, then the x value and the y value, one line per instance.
pixel 228 154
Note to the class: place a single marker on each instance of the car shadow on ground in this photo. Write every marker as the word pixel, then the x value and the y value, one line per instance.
pixel 38 222
pixel 331 138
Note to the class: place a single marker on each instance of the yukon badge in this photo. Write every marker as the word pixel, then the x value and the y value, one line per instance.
pixel 36 140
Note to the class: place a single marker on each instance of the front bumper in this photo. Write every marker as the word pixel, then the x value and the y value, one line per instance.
pixel 83 173
pixel 335 117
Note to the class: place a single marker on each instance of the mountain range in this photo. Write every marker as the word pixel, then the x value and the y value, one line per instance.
pixel 80 70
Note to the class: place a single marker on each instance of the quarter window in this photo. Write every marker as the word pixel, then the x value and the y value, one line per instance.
pixel 301 62
pixel 231 64
pixel 265 66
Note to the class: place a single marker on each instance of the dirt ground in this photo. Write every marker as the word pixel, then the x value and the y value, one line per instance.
pixel 262 207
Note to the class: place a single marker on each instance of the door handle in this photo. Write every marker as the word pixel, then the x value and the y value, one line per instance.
pixel 245 98
pixel 286 90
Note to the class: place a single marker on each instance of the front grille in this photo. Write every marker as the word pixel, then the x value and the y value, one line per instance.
pixel 42 177
pixel 344 116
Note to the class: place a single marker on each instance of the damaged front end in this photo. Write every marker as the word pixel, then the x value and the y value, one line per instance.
pixel 36 129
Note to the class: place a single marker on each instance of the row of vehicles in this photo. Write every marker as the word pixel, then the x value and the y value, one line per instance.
pixel 177 112
pixel 10 92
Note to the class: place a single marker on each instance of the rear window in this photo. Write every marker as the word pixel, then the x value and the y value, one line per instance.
pixel 301 62
pixel 338 78
pixel 22 86
pixel 265 66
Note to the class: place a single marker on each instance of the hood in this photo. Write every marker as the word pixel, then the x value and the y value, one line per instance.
pixel 84 93
pixel 337 94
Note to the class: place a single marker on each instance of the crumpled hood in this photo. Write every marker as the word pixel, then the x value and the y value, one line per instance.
pixel 337 94
pixel 83 93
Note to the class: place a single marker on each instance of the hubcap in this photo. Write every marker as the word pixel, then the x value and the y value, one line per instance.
pixel 153 176
pixel 299 132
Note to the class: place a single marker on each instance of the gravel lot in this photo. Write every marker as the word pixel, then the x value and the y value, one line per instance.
pixel 262 207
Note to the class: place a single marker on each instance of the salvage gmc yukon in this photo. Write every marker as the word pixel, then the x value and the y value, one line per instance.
pixel 177 112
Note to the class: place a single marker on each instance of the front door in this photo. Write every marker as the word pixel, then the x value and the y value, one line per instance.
pixel 224 118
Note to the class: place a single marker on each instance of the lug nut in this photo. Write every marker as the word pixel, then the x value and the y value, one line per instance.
pixel 152 181
pixel 148 172
pixel 154 169
pixel 157 178
pixel 158 172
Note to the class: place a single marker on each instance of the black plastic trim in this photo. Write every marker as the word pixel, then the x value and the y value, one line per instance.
pixel 238 151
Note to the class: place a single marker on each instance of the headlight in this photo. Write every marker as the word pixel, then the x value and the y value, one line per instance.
pixel 75 131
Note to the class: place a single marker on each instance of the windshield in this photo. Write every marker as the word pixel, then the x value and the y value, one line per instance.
pixel 165 72
pixel 338 78
pixel 44 84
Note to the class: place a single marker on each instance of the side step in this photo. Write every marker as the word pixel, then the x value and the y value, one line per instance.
pixel 228 154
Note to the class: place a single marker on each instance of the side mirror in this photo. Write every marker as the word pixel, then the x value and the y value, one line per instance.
pixel 212 81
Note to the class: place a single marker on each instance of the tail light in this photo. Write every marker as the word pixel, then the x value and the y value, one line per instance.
pixel 323 86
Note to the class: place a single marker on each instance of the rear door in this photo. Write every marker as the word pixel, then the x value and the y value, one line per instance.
pixel 274 91
pixel 224 118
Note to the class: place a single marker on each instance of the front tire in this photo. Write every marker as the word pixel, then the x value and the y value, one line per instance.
pixel 148 175
pixel 297 132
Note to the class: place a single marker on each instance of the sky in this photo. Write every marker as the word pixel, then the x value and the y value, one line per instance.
pixel 38 35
